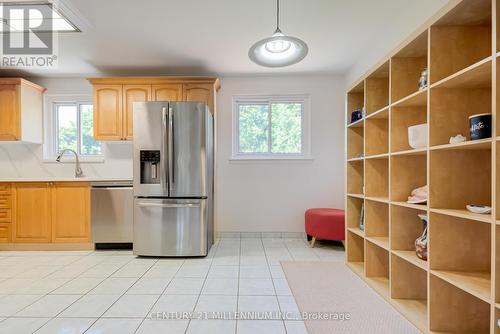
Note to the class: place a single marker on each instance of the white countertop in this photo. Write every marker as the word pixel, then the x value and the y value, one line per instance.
pixel 62 179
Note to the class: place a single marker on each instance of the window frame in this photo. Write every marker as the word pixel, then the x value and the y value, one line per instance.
pixel 303 99
pixel 51 131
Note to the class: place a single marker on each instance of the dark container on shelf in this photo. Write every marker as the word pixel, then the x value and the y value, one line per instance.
pixel 356 115
pixel 480 126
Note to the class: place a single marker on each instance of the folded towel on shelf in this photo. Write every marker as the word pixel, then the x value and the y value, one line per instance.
pixel 419 195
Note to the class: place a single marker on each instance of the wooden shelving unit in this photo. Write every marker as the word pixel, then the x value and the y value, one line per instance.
pixel 457 290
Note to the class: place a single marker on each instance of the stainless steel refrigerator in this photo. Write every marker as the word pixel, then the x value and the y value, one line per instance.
pixel 173 179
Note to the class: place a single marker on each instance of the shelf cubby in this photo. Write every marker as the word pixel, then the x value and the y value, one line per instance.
pixel 453 102
pixel 356 252
pixel 460 177
pixel 355 147
pixel 408 172
pixel 497 264
pixel 353 213
pixel 377 178
pixel 404 115
pixel 355 140
pixel 355 174
pixel 409 291
pixel 460 38
pixel 377 89
pixel 406 227
pixel 497 5
pixel 377 223
pixel 463 254
pixel 377 268
pixel 496 319
pixel 407 66
pixel 355 99
pixel 455 311
pixel 497 173
pixel 497 89
pixel 377 133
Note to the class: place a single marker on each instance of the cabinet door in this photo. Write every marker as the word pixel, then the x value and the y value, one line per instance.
pixel 10 124
pixel 5 233
pixel 108 113
pixel 71 212
pixel 167 92
pixel 199 93
pixel 131 94
pixel 32 213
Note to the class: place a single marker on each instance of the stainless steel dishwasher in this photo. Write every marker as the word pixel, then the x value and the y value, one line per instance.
pixel 112 214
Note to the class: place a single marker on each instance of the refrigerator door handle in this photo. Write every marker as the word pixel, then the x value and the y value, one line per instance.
pixel 164 205
pixel 164 176
pixel 171 155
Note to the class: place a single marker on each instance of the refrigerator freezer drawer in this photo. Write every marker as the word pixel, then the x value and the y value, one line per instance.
pixel 170 227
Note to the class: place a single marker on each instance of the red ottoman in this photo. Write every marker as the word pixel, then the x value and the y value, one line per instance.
pixel 322 223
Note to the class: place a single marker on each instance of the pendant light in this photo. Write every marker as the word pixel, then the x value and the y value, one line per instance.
pixel 278 50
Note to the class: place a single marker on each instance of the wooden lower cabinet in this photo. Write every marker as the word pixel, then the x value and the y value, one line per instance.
pixel 46 212
pixel 5 233
pixel 71 212
pixel 32 218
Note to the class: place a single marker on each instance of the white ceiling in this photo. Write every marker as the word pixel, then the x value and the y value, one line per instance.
pixel 204 37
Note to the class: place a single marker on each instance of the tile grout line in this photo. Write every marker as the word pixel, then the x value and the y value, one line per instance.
pixel 201 291
pixel 161 294
pixel 274 286
pixel 46 294
pixel 238 291
pixel 92 324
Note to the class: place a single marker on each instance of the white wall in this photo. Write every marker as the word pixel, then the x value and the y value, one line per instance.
pixel 402 27
pixel 272 197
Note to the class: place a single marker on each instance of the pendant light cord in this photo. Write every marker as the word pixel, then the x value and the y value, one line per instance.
pixel 278 15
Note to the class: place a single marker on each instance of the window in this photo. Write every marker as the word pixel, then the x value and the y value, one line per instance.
pixel 70 126
pixel 74 128
pixel 268 127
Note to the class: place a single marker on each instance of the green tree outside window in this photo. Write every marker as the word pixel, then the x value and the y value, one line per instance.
pixel 270 128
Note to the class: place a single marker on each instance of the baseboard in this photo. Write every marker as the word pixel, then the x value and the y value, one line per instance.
pixel 46 247
pixel 273 235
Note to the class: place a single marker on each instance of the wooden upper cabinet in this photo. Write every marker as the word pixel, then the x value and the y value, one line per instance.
pixel 167 92
pixel 10 124
pixel 108 113
pixel 131 94
pixel 21 112
pixel 114 97
pixel 71 212
pixel 199 93
pixel 32 218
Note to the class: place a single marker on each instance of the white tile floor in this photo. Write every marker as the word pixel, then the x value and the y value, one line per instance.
pixel 115 292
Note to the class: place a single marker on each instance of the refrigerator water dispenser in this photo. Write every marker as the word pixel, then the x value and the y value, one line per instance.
pixel 150 167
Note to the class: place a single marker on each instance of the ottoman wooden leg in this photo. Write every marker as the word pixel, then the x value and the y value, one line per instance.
pixel 343 243
pixel 313 241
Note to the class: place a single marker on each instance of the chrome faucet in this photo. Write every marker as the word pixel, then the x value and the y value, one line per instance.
pixel 78 169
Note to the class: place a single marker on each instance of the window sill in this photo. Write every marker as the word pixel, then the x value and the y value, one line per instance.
pixel 279 160
pixel 71 160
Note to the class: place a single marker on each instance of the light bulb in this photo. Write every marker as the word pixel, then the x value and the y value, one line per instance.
pixel 278 45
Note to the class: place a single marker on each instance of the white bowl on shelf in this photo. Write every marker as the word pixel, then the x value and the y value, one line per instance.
pixel 417 136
